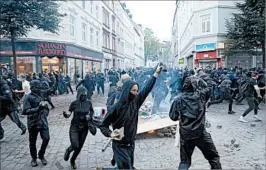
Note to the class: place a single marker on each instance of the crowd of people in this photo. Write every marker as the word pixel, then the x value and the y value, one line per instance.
pixel 190 92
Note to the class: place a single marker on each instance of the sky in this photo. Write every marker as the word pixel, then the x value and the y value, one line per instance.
pixel 157 15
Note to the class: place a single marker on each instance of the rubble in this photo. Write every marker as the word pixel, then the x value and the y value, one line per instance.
pixel 234 145
pixel 253 125
pixel 207 124
pixel 219 126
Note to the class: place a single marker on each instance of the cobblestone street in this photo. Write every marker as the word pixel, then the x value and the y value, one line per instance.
pixel 151 152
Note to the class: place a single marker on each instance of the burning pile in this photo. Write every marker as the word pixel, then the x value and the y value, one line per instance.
pixel 165 132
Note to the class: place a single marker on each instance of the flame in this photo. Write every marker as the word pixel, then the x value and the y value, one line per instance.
pixel 151 132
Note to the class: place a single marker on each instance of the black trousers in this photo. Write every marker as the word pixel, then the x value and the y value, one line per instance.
pixel 68 86
pixel 33 134
pixel 14 118
pixel 224 96
pixel 205 144
pixel 124 155
pixel 49 100
pixel 100 86
pixel 77 137
pixel 253 104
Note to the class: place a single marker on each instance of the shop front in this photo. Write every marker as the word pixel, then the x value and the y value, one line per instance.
pixel 208 59
pixel 37 56
pixel 26 56
pixel 206 56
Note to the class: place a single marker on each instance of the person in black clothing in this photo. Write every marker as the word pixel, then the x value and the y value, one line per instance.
pixel 124 114
pixel 100 82
pixel 88 83
pixel 68 84
pixel 37 112
pixel 252 95
pixel 189 109
pixel 8 107
pixel 225 87
pixel 45 89
pixel 80 124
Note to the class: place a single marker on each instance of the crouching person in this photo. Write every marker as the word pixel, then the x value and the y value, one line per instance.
pixel 37 113
pixel 189 109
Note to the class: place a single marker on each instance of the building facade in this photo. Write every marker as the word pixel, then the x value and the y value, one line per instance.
pixel 87 41
pixel 200 30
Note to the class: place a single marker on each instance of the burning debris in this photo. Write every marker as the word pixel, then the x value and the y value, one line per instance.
pixel 164 132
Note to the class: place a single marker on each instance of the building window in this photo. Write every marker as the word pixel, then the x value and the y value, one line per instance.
pixel 113 24
pixel 91 6
pixel 84 31
pixel 72 26
pixel 91 36
pixel 83 4
pixel 105 18
pixel 97 12
pixel 106 40
pixel 113 44
pixel 206 23
pixel 97 38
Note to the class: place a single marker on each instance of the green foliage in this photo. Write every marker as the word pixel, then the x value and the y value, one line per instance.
pixel 151 45
pixel 246 29
pixel 19 16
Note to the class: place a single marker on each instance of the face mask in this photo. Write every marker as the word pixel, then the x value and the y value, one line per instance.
pixel 83 97
pixel 131 97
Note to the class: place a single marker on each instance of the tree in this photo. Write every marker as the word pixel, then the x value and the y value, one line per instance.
pixel 246 30
pixel 151 45
pixel 18 17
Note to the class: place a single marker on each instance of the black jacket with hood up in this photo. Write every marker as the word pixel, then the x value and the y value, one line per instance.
pixel 124 113
pixel 189 109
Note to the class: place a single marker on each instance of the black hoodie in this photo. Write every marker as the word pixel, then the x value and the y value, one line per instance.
pixel 124 113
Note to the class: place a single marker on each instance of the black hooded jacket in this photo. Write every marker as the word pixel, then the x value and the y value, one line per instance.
pixel 189 109
pixel 124 113
pixel 7 105
pixel 81 109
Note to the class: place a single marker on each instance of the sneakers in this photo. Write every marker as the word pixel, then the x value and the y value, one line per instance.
pixel 231 112
pixel 242 119
pixel 34 163
pixel 67 154
pixel 3 139
pixel 73 165
pixel 257 118
pixel 43 160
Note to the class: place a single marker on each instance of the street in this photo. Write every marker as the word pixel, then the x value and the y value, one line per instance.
pixel 240 145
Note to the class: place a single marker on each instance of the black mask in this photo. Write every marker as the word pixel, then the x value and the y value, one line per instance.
pixel 83 97
pixel 131 96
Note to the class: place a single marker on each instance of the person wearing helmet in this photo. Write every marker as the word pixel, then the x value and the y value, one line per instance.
pixel 37 112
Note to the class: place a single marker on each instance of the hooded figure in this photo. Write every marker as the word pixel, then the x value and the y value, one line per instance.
pixel 8 107
pixel 88 83
pixel 124 114
pixel 80 124
pixel 37 113
pixel 189 109
pixel 225 89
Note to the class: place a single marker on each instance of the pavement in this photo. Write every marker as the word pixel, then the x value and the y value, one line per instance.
pixel 240 145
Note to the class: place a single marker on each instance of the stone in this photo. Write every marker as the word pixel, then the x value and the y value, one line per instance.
pixel 233 141
pixel 219 126
pixel 253 125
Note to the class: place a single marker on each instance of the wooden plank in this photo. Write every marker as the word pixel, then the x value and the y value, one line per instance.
pixel 146 126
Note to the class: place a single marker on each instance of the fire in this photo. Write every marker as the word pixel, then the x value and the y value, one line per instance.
pixel 152 132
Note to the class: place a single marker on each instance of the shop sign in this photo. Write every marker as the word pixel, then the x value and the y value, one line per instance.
pixel 206 47
pixel 51 49
pixel 181 61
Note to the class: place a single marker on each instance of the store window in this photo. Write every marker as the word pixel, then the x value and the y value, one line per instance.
pixel 79 70
pixel 25 65
pixel 71 68
pixel 53 64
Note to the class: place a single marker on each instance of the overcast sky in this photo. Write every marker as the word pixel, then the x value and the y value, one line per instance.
pixel 157 15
